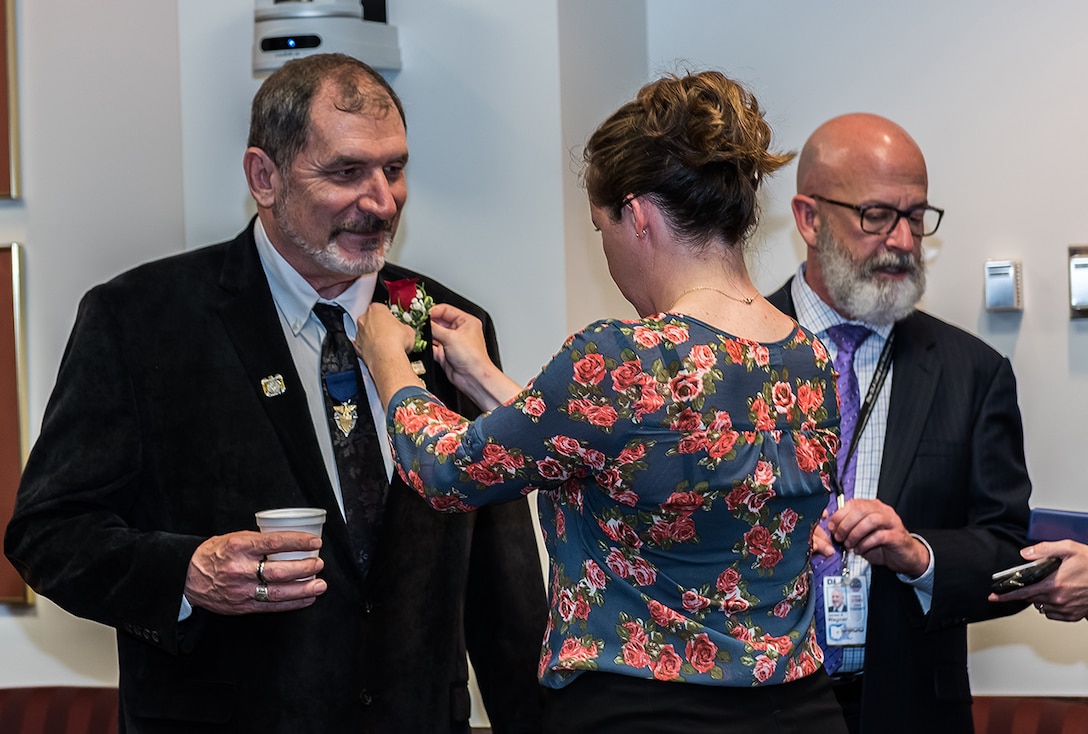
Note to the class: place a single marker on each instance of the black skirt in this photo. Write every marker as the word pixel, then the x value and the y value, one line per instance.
pixel 606 702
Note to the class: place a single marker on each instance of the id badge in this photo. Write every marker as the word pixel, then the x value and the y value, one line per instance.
pixel 846 609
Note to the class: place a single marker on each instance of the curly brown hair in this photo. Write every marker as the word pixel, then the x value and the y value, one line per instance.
pixel 697 145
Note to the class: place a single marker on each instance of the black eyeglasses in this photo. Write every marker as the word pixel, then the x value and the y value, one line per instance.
pixel 882 219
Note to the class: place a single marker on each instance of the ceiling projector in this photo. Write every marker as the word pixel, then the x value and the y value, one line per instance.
pixel 291 29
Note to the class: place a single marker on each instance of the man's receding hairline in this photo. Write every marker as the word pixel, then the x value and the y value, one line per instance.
pixel 378 102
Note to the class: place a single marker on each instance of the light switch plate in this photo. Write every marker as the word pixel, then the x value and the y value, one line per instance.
pixel 1003 291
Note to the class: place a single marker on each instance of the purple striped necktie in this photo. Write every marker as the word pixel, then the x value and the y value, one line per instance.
pixel 847 337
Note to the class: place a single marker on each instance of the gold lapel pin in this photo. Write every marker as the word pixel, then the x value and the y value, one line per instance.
pixel 273 385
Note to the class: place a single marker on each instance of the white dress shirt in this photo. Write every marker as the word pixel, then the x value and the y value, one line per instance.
pixel 817 316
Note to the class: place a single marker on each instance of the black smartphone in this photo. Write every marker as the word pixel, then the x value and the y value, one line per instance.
pixel 1018 577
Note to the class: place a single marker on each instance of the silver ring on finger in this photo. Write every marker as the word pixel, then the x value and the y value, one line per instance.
pixel 260 573
pixel 261 594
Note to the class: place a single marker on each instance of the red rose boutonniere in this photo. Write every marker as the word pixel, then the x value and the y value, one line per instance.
pixel 410 303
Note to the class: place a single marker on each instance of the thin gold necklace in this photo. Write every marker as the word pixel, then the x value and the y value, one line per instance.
pixel 745 301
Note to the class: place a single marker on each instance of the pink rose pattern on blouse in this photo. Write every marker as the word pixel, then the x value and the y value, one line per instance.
pixel 681 472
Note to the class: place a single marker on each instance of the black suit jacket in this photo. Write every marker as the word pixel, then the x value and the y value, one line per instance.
pixel 953 468
pixel 158 435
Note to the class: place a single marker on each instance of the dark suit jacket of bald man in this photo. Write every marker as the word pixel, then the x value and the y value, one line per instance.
pixel 953 469
pixel 158 435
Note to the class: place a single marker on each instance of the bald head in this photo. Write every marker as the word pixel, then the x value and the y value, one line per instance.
pixel 854 146
pixel 855 174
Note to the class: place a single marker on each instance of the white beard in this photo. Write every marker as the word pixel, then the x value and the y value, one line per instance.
pixel 864 297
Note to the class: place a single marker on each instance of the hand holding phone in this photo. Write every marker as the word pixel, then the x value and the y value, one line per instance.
pixel 1027 574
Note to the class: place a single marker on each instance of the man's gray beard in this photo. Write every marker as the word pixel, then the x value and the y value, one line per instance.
pixel 856 292
pixel 330 257
pixel 333 259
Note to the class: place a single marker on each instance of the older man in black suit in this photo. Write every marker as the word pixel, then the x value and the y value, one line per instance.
pixel 192 394
pixel 940 487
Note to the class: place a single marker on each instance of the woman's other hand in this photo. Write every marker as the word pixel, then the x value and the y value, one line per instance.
pixel 459 344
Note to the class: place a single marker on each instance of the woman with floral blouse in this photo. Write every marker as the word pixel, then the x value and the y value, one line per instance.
pixel 681 460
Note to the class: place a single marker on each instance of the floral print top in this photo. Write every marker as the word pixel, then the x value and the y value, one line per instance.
pixel 681 472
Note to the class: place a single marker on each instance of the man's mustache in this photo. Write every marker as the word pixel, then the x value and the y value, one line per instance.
pixel 365 226
pixel 893 260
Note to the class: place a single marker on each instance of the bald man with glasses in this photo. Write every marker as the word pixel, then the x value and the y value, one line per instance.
pixel 932 493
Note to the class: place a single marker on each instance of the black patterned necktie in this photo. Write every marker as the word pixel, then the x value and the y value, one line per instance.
pixel 359 462
pixel 847 337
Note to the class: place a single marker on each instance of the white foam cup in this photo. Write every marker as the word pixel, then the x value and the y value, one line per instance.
pixel 299 519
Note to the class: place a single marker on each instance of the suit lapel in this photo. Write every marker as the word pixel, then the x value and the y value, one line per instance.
pixel 381 291
pixel 249 316
pixel 916 373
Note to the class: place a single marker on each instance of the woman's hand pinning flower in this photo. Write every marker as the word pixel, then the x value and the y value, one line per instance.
pixel 410 303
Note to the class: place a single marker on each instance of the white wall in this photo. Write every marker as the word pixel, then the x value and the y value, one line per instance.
pixel 992 90
pixel 133 151
pixel 602 63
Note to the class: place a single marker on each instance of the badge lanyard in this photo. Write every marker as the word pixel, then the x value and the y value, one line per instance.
pixel 883 366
